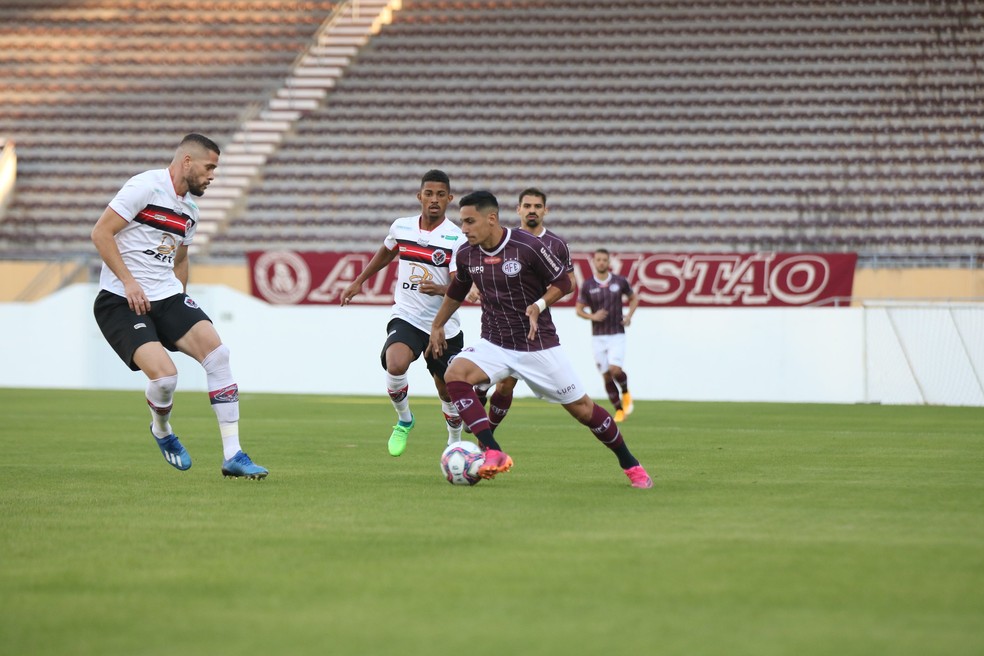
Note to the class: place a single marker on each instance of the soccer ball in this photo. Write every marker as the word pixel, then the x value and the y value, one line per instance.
pixel 460 463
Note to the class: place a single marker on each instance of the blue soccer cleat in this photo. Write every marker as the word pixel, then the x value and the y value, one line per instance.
pixel 240 466
pixel 173 451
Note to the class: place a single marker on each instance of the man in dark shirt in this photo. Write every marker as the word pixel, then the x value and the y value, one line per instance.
pixel 602 294
pixel 532 209
pixel 518 278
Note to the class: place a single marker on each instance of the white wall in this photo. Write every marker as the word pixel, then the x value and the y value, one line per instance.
pixel 802 355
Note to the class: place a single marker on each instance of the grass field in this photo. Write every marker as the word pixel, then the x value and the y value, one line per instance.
pixel 772 529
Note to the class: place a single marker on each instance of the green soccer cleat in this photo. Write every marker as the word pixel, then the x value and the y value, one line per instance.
pixel 398 439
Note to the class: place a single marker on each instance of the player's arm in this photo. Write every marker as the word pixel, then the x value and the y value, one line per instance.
pixel 379 261
pixel 104 238
pixel 457 291
pixel 633 304
pixel 558 289
pixel 181 266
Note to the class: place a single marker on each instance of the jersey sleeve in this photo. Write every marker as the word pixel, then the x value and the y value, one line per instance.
pixel 132 198
pixel 390 241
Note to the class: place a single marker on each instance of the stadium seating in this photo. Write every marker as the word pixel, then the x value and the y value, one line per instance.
pixel 718 125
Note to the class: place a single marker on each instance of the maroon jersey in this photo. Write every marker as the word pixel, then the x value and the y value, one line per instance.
pixel 606 295
pixel 558 247
pixel 511 278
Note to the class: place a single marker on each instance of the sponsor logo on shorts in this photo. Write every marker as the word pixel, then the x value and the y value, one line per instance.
pixel 190 302
pixel 138 326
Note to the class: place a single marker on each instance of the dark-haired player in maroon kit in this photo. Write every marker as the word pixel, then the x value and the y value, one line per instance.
pixel 602 294
pixel 532 209
pixel 518 278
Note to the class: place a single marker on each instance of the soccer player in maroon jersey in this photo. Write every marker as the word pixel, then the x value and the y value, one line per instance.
pixel 532 208
pixel 518 278
pixel 603 294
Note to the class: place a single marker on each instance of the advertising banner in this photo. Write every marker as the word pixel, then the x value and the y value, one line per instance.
pixel 764 279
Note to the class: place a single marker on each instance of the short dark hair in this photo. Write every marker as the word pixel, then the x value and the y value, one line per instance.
pixel 532 191
pixel 436 175
pixel 602 250
pixel 482 200
pixel 202 141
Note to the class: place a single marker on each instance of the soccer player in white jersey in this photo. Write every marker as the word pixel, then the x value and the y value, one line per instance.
pixel 426 245
pixel 142 308
pixel 518 279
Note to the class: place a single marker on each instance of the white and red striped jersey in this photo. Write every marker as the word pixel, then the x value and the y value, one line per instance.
pixel 424 255
pixel 159 221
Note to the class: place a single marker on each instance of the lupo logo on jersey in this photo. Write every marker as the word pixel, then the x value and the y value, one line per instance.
pixel 512 268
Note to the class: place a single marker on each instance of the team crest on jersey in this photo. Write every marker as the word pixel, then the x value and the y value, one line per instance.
pixel 168 245
pixel 439 257
pixel 613 288
pixel 190 302
pixel 511 268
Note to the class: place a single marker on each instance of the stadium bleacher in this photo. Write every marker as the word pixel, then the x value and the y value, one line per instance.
pixel 719 125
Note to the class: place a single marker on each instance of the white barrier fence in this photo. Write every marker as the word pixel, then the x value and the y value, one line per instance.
pixel 888 354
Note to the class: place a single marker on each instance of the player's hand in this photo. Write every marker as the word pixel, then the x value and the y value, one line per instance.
pixel 437 344
pixel 136 298
pixel 350 292
pixel 474 296
pixel 431 288
pixel 626 321
pixel 533 312
pixel 600 315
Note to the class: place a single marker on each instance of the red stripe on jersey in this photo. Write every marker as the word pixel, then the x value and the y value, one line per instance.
pixel 163 219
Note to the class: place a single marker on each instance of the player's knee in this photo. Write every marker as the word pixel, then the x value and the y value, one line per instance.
pixel 163 387
pixel 217 360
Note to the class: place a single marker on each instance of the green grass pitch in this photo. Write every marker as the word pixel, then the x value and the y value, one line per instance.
pixel 773 529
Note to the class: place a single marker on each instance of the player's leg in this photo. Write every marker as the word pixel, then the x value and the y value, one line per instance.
pixel 404 344
pixel 468 369
pixel 501 401
pixel 599 344
pixel 552 377
pixel 135 340
pixel 616 360
pixel 437 368
pixel 606 430
pixel 202 342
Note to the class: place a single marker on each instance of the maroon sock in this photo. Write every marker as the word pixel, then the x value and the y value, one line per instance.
pixel 498 407
pixel 613 394
pixel 607 432
pixel 471 412
pixel 623 382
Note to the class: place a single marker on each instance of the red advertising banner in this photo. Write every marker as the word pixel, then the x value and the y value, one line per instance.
pixel 661 279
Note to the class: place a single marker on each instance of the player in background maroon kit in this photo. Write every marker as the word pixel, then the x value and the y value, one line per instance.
pixel 518 278
pixel 531 208
pixel 603 294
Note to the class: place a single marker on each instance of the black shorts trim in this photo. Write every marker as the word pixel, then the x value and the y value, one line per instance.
pixel 169 320
pixel 399 331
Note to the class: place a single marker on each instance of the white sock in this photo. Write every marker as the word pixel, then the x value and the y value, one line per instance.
pixel 230 438
pixel 160 398
pixel 398 388
pixel 451 417
pixel 224 396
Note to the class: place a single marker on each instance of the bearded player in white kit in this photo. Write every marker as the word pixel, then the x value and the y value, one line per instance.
pixel 142 308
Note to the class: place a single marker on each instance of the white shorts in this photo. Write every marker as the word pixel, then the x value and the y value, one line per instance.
pixel 548 373
pixel 609 350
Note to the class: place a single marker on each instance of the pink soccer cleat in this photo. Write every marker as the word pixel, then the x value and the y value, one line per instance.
pixel 496 462
pixel 639 477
